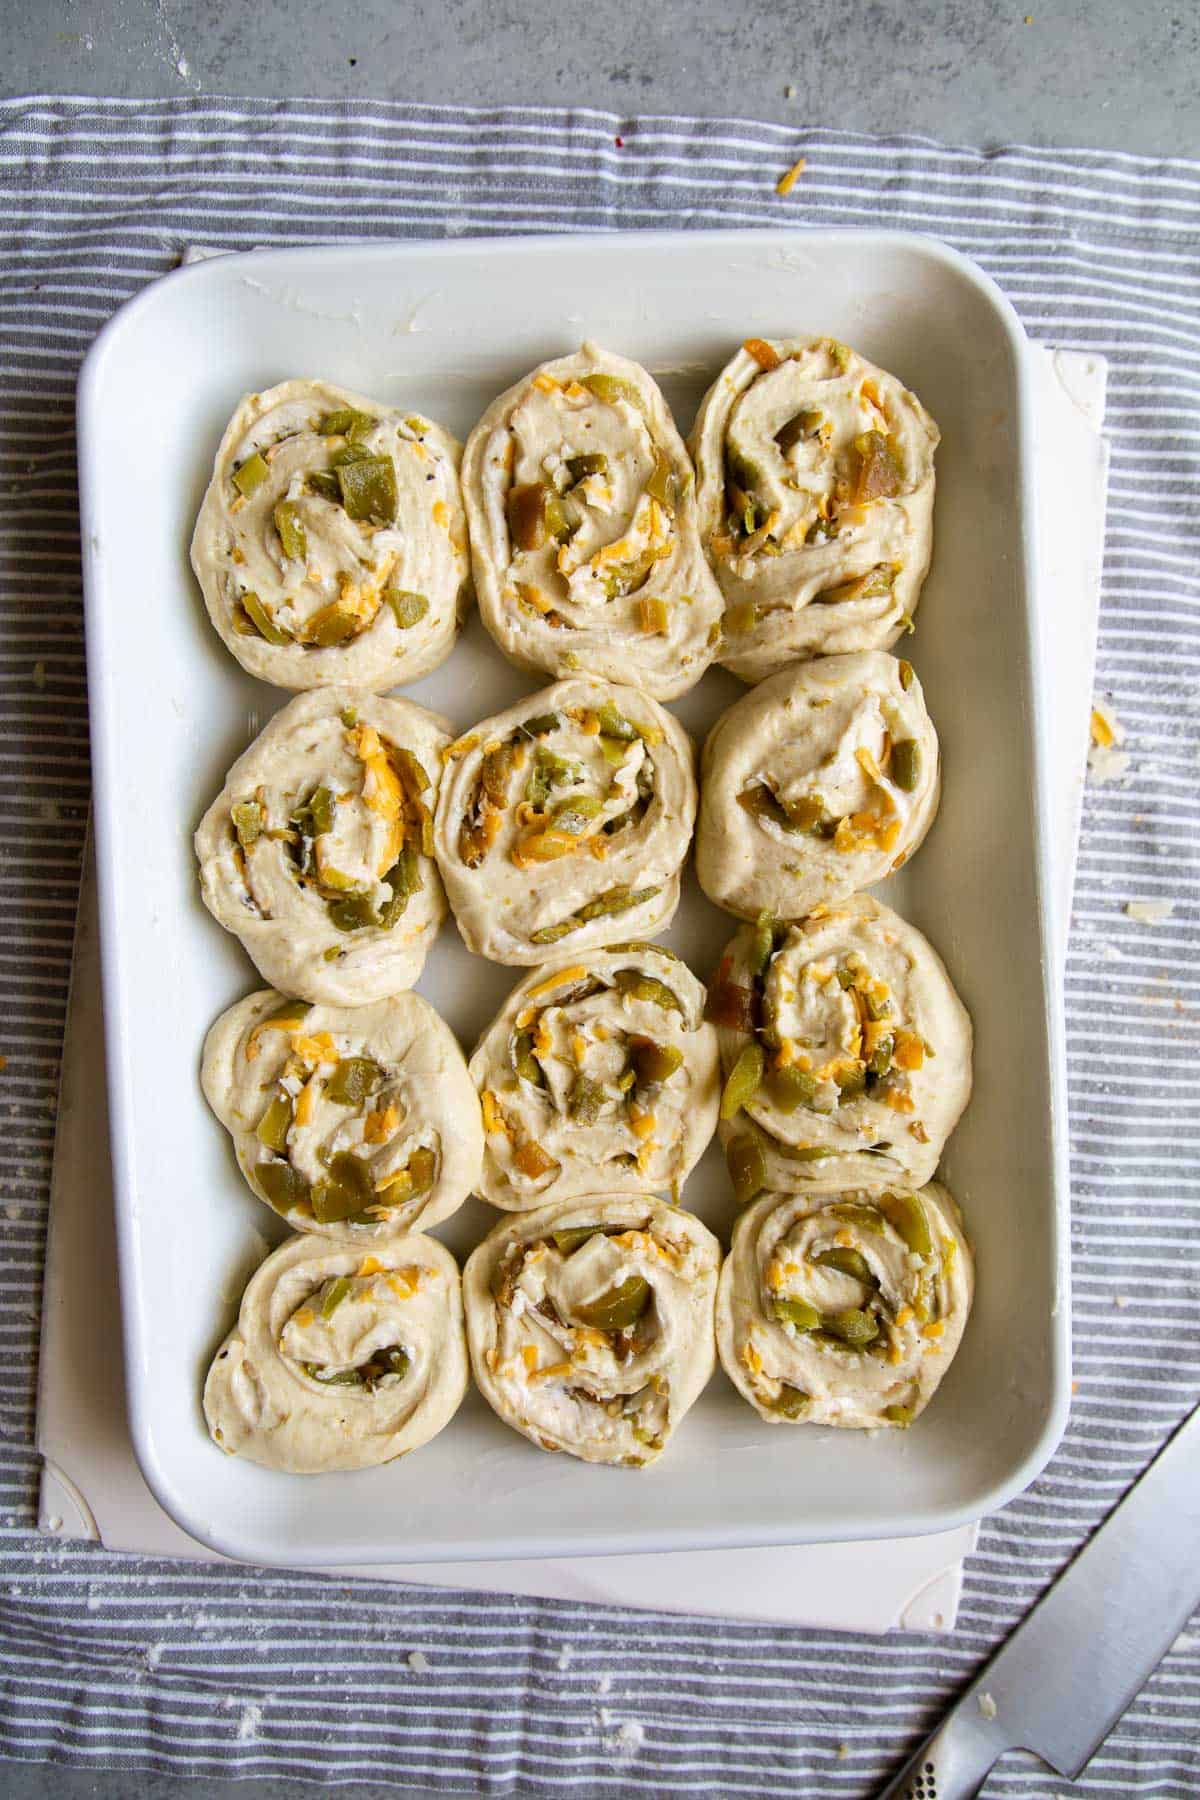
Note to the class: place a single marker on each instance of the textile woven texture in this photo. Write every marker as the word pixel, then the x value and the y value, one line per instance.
pixel 110 1661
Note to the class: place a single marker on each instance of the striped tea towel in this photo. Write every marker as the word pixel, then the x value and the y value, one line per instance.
pixel 164 1667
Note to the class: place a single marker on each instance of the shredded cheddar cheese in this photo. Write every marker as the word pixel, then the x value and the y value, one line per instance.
pixel 306 1100
pixel 379 1126
pixel 577 972
pixel 786 183
pixel 493 1118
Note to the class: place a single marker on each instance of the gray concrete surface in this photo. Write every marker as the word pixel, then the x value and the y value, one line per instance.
pixel 1076 72
pixel 1092 72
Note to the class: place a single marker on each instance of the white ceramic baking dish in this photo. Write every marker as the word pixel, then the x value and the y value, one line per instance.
pixel 442 328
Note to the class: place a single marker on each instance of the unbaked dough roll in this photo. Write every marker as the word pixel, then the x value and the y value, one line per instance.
pixel 814 482
pixel 591 1323
pixel 355 1122
pixel 820 782
pixel 340 1361
pixel 844 1309
pixel 566 820
pixel 846 1050
pixel 600 1073
pixel 318 851
pixel 584 536
pixel 332 542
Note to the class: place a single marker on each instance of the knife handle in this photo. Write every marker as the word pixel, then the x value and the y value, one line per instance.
pixel 953 1764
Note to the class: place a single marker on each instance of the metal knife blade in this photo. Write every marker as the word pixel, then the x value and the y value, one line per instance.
pixel 1065 1676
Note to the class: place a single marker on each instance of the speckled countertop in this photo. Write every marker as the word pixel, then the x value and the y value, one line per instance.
pixel 1066 72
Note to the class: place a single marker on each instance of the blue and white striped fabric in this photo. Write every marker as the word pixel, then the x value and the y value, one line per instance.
pixel 167 1667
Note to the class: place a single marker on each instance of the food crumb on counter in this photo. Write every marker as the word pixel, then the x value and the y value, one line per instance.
pixel 1149 912
pixel 625 1739
pixel 987 1706
pixel 249 1722
pixel 418 1662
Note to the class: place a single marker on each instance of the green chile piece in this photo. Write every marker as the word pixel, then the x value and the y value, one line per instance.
pixel 614 724
pixel 800 425
pixel 586 1099
pixel 847 1262
pixel 289 523
pixel 789 1088
pixel 647 987
pixel 526 507
pixel 247 816
pixel 747 1167
pixel 557 523
pixel 335 627
pixel 906 764
pixel 572 1238
pixel 762 946
pixel 525 1062
pixel 876 472
pixel 352 1080
pixel 905 1212
pixel 611 388
pixel 574 815
pixel 852 1325
pixel 272 1129
pixel 540 724
pixel 851 1083
pixel 406 880
pixel 369 489
pixel 620 1308
pixel 352 912
pixel 857 1212
pixel 663 483
pixel 745 1078
pixel 339 1377
pixel 251 474
pixel 422 1167
pixel 796 1312
pixel 346 1191
pixel 315 817
pixel 411 770
pixel 899 1415
pixel 333 1293
pixel 262 621
pixel 408 608
pixel 392 1361
pixel 656 1062
pixel 325 484
pixel 616 900
pixel 790 1402
pixel 591 463
pixel 282 1186
pixel 347 421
